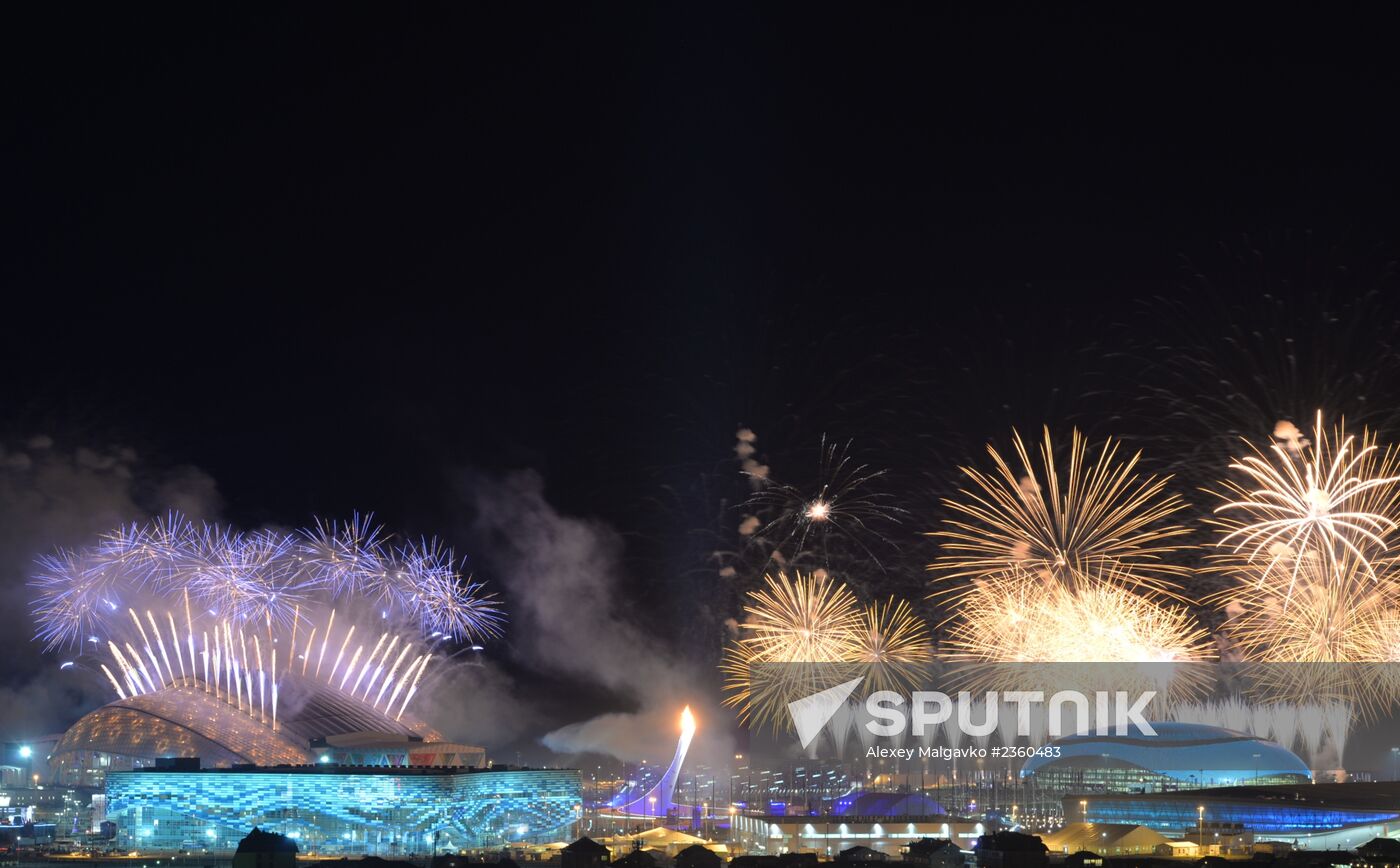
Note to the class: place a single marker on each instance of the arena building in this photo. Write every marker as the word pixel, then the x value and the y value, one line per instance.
pixel 318 724
pixel 1316 816
pixel 330 809
pixel 268 678
pixel 1181 756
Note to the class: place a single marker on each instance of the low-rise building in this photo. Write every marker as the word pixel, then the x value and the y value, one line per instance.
pixel 335 810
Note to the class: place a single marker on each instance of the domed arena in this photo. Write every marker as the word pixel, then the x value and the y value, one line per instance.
pixel 1180 756
pixel 189 721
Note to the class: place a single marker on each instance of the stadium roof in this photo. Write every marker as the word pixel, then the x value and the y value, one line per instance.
pixel 1179 750
pixel 190 721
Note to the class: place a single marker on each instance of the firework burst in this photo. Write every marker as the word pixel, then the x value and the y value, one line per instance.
pixel 451 605
pixel 1067 524
pixel 1323 629
pixel 1016 618
pixel 894 645
pixel 1323 610
pixel 1325 505
pixel 205 607
pixel 78 594
pixel 807 619
pixel 347 557
pixel 1056 637
pixel 842 514
pixel 807 633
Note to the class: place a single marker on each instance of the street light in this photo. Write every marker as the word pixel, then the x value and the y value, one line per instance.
pixel 1083 811
pixel 1201 824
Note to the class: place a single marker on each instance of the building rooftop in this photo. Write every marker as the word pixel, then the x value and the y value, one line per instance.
pixel 1183 751
pixel 337 769
pixel 1377 795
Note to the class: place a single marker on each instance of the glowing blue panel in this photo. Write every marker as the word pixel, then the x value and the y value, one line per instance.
pixel 333 810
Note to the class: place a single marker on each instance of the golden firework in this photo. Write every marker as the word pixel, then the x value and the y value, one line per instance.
pixel 1065 524
pixel 894 645
pixel 809 619
pixel 1323 610
pixel 808 633
pixel 796 633
pixel 1013 632
pixel 1323 630
pixel 1015 618
pixel 1319 510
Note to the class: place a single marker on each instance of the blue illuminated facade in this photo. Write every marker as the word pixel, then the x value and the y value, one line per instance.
pixel 1179 756
pixel 343 810
pixel 1261 817
pixel 1313 815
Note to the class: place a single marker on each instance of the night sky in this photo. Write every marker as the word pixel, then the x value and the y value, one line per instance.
pixel 330 258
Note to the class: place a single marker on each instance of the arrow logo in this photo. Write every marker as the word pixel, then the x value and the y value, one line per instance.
pixel 811 713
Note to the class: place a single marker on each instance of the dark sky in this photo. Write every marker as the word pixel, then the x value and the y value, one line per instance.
pixel 320 251
pixel 331 254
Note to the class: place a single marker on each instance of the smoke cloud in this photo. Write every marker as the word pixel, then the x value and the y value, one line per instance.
pixel 477 703
pixel 571 618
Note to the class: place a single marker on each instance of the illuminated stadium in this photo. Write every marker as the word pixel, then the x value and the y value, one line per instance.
pixel 1181 756
pixel 256 648
pixel 136 731
pixel 330 809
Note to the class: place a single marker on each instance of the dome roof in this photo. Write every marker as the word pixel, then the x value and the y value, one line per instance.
pixel 189 721
pixel 1182 751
